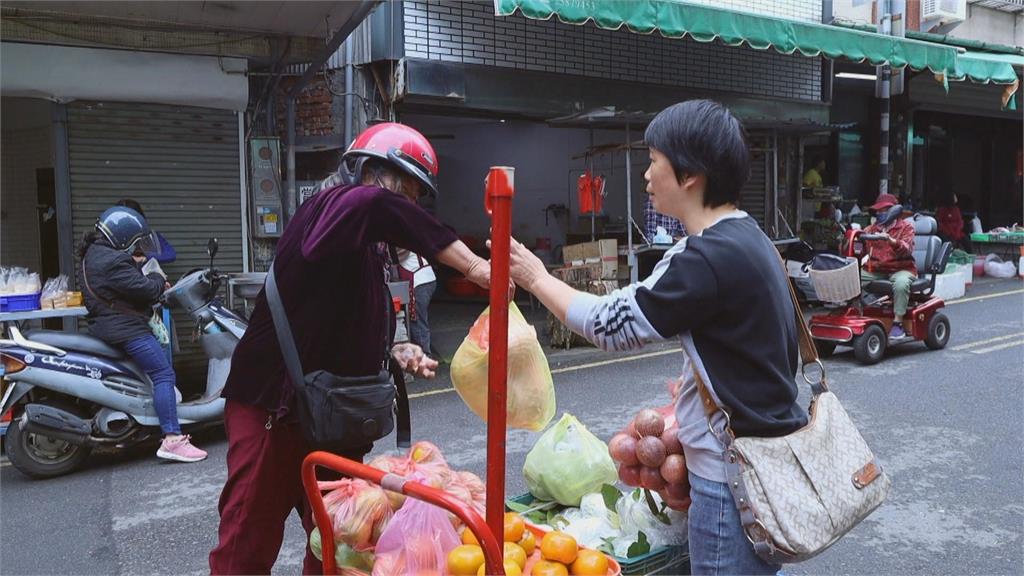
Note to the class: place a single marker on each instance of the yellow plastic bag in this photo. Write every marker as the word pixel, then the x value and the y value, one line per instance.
pixel 531 393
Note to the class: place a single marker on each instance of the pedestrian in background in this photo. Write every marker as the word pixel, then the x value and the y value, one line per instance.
pixel 415 270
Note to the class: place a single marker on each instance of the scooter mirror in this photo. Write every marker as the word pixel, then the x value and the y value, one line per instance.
pixel 211 248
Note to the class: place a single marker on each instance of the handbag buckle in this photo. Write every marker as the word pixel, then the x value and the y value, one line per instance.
pixel 821 380
pixel 762 532
pixel 727 429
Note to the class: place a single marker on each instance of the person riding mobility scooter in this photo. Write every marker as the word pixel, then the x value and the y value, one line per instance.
pixel 865 317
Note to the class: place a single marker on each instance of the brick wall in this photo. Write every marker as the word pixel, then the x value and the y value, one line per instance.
pixel 316 113
pixel 468 32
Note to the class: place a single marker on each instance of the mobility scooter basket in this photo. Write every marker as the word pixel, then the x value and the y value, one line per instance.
pixel 837 285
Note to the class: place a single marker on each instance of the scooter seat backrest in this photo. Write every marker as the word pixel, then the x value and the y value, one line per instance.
pixel 927 246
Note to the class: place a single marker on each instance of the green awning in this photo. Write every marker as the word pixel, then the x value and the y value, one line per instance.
pixel 985 67
pixel 676 19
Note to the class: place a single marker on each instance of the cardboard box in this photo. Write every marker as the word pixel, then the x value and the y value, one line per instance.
pixel 603 252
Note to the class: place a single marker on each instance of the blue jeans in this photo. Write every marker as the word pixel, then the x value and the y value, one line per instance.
pixel 419 329
pixel 151 357
pixel 718 545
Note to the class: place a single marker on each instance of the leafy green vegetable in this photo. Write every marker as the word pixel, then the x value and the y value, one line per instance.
pixel 659 514
pixel 640 547
pixel 611 496
pixel 607 546
pixel 517 507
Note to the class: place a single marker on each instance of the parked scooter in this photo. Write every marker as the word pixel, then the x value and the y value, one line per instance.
pixel 72 392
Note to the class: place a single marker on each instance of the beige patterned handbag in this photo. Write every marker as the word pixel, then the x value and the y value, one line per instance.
pixel 798 494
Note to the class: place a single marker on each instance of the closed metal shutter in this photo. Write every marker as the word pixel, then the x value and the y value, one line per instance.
pixel 755 195
pixel 182 164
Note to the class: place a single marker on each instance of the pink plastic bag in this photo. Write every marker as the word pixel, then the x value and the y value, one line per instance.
pixel 416 541
pixel 358 510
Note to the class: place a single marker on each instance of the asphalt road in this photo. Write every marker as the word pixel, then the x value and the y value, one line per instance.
pixel 946 425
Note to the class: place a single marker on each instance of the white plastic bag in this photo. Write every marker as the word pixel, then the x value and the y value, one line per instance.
pixel 590 524
pixel 635 516
pixel 996 268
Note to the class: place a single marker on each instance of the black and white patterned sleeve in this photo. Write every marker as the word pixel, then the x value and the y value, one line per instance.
pixel 680 293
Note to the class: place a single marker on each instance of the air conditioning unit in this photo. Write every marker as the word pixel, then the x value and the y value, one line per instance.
pixel 943 11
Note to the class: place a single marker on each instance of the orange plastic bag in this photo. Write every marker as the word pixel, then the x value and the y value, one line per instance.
pixel 531 392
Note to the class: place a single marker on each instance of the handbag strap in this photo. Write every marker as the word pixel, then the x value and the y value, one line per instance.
pixel 284 332
pixel 808 355
pixel 108 303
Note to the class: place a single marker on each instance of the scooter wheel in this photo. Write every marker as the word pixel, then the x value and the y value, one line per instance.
pixel 938 332
pixel 869 347
pixel 38 456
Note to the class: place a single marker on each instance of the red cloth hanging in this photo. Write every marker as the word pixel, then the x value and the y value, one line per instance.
pixel 590 190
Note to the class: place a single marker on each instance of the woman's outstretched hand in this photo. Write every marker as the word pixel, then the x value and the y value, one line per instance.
pixel 412 360
pixel 525 268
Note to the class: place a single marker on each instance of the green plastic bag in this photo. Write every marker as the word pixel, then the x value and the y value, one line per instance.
pixel 567 463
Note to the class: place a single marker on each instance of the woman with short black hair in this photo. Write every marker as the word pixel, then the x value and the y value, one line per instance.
pixel 722 291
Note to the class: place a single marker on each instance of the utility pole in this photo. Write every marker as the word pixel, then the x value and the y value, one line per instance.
pixel 883 92
pixel 891 22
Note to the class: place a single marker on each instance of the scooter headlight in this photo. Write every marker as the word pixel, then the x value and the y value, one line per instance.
pixel 11 364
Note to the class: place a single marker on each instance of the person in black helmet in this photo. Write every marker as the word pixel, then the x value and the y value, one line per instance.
pixel 120 299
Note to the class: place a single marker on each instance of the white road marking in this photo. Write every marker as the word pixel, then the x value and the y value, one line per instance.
pixel 999 347
pixel 987 341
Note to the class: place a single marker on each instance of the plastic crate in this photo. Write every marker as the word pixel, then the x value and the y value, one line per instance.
pixel 19 302
pixel 662 560
pixel 979 237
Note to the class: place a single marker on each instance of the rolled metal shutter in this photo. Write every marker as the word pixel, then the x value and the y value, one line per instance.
pixel 182 164
pixel 755 195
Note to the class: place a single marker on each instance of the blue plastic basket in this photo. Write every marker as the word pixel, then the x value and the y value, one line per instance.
pixel 19 302
pixel 661 560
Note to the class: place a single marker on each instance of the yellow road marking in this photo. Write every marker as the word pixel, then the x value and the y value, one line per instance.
pixel 613 361
pixel 564 370
pixel 987 341
pixel 999 347
pixel 985 297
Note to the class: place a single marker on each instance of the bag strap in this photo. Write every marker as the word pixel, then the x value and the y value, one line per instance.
pixel 808 355
pixel 284 332
pixel 108 303
pixel 294 365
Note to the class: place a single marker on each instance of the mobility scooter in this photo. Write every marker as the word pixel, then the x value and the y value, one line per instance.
pixel 863 321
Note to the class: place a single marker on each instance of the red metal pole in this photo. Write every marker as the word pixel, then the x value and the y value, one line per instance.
pixel 498 203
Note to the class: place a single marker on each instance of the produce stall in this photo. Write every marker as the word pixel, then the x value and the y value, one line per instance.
pixel 414 514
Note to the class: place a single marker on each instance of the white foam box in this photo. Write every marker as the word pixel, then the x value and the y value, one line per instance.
pixel 950 286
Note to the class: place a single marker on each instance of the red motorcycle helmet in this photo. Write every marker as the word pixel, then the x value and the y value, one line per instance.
pixel 401 146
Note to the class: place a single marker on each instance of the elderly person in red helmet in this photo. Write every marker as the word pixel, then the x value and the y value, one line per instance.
pixel 891 258
pixel 330 273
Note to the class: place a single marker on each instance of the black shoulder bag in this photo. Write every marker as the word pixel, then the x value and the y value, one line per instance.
pixel 340 413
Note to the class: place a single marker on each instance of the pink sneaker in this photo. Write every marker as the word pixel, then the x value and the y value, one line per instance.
pixel 180 449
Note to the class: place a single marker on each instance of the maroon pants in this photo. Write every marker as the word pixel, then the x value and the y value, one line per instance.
pixel 263 486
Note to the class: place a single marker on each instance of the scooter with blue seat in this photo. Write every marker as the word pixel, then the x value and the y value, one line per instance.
pixel 71 392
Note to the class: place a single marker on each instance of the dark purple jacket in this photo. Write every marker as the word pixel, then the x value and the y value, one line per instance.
pixel 331 274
